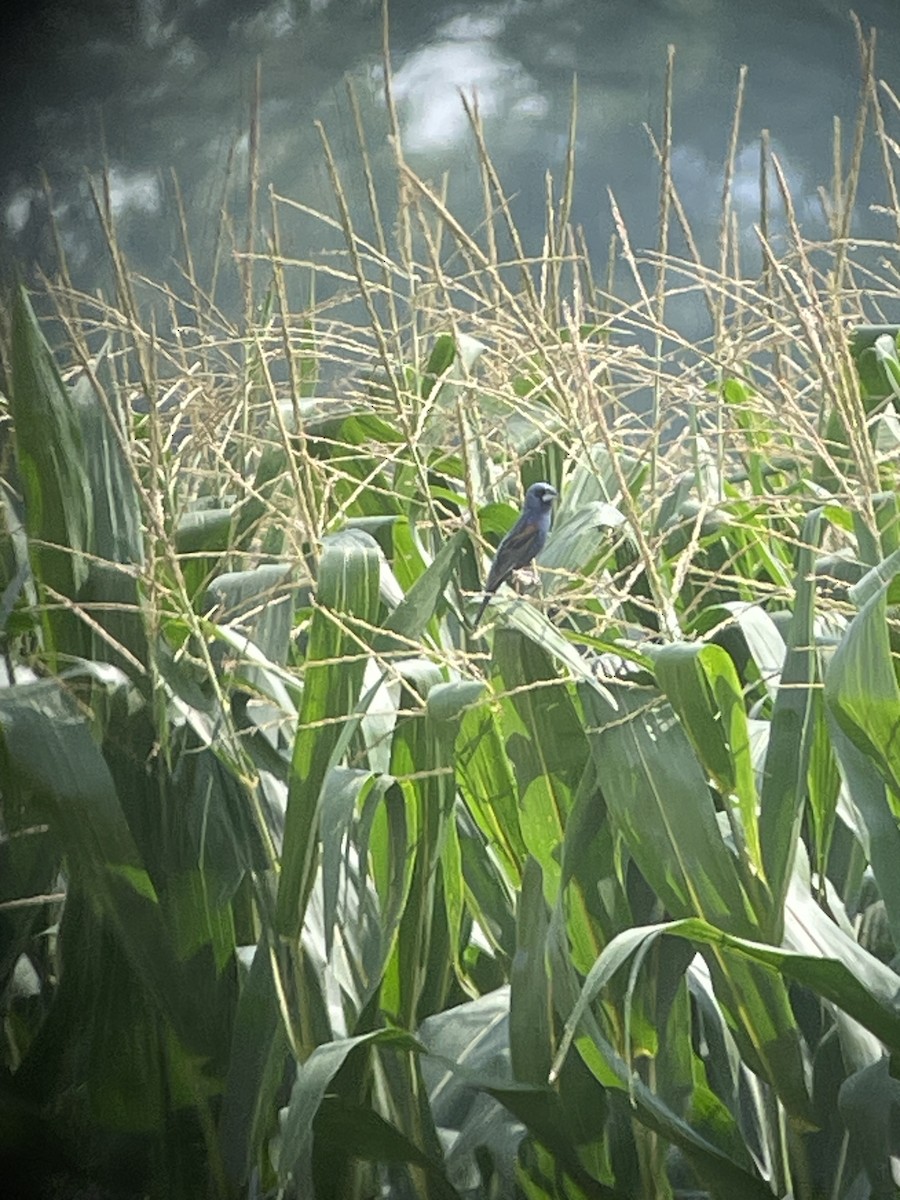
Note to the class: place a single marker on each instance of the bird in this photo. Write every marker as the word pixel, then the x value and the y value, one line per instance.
pixel 523 542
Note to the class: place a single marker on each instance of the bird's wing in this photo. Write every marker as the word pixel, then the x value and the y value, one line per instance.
pixel 516 550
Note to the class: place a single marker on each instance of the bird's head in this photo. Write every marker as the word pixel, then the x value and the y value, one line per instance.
pixel 540 497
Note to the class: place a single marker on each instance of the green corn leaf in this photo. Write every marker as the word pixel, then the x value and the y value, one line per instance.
pixel 784 784
pixel 861 686
pixel 347 594
pixel 55 480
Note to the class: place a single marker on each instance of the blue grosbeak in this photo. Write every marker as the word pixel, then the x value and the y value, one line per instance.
pixel 524 541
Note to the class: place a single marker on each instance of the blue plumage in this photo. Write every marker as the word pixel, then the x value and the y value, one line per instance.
pixel 523 542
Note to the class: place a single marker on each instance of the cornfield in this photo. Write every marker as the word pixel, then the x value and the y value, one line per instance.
pixel 308 888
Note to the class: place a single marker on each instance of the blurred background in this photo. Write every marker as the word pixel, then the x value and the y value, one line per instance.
pixel 159 95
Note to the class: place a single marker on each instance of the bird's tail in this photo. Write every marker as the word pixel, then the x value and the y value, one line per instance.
pixel 484 603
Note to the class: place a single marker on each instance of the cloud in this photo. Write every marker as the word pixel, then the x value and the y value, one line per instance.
pixel 463 58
